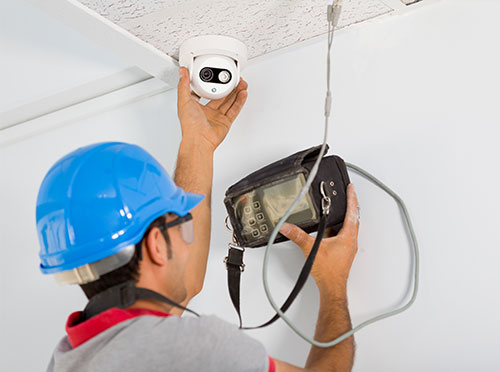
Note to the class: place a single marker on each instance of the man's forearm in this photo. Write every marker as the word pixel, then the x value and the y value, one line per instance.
pixel 194 173
pixel 333 321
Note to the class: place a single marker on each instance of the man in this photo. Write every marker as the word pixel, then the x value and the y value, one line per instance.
pixel 110 219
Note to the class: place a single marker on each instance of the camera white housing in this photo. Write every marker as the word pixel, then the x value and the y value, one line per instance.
pixel 214 63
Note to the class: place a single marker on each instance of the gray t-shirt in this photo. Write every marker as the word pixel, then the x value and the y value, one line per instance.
pixel 155 343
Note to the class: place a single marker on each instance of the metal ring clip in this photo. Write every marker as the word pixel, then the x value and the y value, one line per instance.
pixel 226 220
pixel 326 202
pixel 236 246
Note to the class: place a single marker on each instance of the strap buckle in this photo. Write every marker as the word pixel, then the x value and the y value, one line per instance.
pixel 226 261
pixel 239 263
pixel 236 246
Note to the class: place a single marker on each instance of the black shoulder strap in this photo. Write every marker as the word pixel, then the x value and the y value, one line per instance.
pixel 235 266
pixel 122 296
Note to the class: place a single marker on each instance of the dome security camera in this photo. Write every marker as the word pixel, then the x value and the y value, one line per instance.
pixel 214 63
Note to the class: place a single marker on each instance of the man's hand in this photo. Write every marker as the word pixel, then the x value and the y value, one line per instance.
pixel 210 122
pixel 336 254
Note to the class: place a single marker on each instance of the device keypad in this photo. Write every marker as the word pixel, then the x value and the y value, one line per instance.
pixel 254 220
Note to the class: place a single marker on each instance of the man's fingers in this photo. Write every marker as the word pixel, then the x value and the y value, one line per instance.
pixel 238 104
pixel 298 236
pixel 351 220
pixel 183 88
pixel 217 104
pixel 226 105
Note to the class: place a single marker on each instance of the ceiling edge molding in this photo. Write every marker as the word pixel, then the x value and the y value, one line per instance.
pixel 73 96
pixel 83 110
pixel 102 31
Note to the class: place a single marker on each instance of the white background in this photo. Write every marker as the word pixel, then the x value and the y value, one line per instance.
pixel 415 103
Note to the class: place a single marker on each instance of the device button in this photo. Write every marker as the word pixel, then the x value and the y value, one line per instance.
pixel 256 205
pixel 247 210
pixel 260 216
pixel 251 221
pixel 263 228
pixel 255 233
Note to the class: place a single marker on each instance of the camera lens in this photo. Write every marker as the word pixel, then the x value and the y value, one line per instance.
pixel 206 74
pixel 224 76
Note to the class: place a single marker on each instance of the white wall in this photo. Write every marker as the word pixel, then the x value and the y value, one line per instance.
pixel 41 57
pixel 415 102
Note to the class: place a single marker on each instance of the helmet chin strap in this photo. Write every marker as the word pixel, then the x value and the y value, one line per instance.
pixel 122 296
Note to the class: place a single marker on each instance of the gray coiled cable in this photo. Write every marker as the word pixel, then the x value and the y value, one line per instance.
pixel 333 16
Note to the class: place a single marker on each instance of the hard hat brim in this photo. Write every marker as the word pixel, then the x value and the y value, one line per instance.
pixel 191 201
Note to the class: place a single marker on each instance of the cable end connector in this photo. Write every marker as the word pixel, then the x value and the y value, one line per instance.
pixel 333 12
pixel 329 13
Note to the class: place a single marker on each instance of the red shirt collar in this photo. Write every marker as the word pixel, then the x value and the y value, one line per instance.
pixel 78 333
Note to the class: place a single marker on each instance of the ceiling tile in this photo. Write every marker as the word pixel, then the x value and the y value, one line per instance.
pixel 264 25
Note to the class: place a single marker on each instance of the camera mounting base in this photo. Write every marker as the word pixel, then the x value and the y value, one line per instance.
pixel 213 44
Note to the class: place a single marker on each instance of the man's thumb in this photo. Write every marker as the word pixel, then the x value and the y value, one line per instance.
pixel 298 236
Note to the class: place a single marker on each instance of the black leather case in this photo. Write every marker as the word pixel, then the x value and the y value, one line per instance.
pixel 332 170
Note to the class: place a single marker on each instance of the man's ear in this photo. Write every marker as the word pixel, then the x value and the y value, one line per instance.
pixel 155 247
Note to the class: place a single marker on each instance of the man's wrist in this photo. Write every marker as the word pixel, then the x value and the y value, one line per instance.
pixel 195 143
pixel 333 291
pixel 194 166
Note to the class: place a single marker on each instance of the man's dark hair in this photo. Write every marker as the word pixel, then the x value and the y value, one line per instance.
pixel 130 271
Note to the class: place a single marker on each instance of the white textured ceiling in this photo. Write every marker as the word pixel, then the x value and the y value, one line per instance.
pixel 263 25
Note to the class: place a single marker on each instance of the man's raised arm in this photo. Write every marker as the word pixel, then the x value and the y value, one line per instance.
pixel 203 129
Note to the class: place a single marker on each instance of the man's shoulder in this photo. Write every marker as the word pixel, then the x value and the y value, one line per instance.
pixel 208 334
pixel 185 328
pixel 173 322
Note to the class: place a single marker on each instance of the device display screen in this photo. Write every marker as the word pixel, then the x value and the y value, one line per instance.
pixel 260 210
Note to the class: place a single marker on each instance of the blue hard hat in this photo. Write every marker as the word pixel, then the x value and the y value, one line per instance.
pixel 100 199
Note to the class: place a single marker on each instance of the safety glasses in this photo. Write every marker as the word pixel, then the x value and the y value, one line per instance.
pixel 186 226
